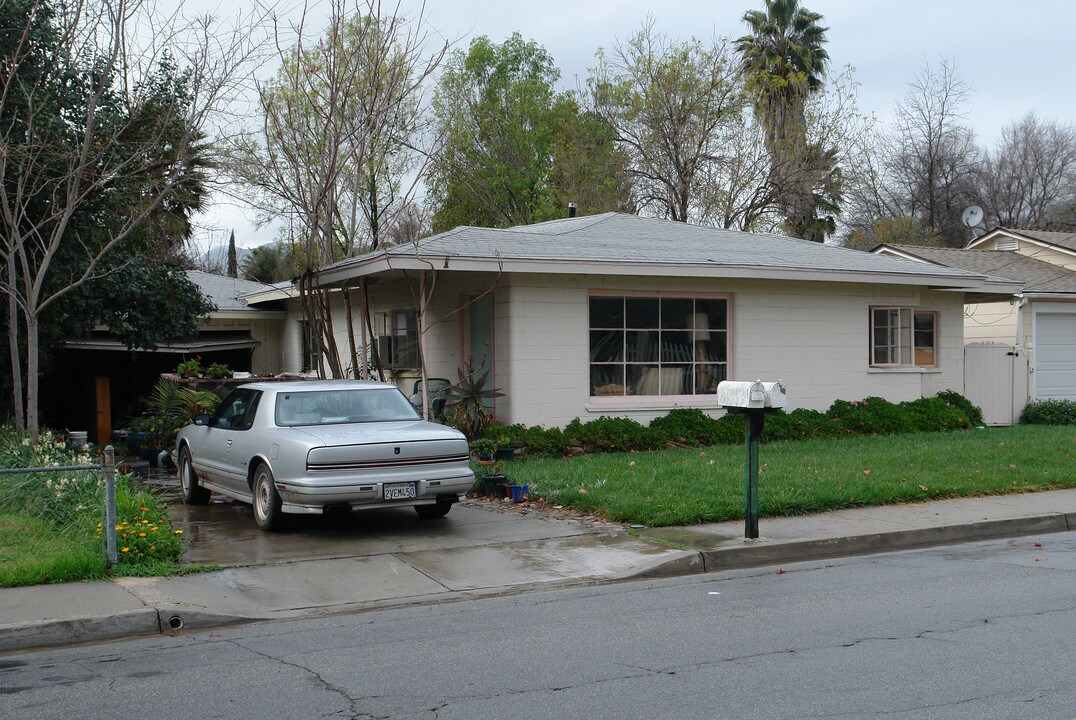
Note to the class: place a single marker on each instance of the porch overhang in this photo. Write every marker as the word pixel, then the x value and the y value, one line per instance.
pixel 179 346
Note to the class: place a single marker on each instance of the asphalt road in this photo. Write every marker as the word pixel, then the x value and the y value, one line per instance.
pixel 984 630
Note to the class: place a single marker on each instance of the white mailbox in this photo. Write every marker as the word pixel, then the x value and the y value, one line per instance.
pixel 757 394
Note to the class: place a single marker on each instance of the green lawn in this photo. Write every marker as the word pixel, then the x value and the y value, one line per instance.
pixel 50 535
pixel 682 487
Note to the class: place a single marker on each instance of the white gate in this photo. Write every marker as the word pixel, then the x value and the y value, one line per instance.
pixel 995 379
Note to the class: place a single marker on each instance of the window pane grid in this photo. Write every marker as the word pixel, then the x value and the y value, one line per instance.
pixel 903 337
pixel 657 346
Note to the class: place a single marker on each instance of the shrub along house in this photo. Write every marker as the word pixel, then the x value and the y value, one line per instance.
pixel 621 315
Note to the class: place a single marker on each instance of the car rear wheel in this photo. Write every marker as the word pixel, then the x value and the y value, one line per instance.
pixel 189 489
pixel 267 512
pixel 429 512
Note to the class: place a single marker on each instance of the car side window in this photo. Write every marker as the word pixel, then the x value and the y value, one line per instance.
pixel 237 410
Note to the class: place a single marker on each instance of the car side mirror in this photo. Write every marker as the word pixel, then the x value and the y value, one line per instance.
pixel 201 419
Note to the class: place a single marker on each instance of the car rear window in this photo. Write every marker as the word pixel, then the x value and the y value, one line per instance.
pixel 332 407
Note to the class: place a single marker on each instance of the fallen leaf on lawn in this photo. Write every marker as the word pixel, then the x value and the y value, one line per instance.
pixel 866 472
pixel 582 491
pixel 631 464
pixel 1011 465
pixel 923 488
pixel 712 462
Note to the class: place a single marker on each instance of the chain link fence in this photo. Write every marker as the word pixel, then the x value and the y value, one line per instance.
pixel 48 513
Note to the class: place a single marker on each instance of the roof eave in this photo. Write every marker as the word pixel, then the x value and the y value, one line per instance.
pixel 341 275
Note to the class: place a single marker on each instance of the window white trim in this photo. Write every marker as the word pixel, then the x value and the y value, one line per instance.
pixel 897 338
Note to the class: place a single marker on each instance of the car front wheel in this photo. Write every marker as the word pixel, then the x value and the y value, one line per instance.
pixel 189 489
pixel 267 512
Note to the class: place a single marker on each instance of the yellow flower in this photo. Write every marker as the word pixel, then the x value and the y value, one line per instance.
pixel 141 534
pixel 152 547
pixel 179 532
pixel 125 549
pixel 145 509
pixel 154 528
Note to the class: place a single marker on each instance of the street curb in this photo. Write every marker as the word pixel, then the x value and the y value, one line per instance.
pixel 797 551
pixel 52 633
pixel 34 635
pixel 754 553
pixel 684 562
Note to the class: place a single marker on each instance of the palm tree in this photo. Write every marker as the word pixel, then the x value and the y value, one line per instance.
pixel 783 61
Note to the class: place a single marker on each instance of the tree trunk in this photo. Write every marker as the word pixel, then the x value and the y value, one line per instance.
pixel 355 372
pixel 422 345
pixel 18 401
pixel 32 426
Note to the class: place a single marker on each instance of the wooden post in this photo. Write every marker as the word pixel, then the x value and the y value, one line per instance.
pixel 104 411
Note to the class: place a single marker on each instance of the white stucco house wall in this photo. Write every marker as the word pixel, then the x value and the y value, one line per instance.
pixel 616 314
pixel 1038 323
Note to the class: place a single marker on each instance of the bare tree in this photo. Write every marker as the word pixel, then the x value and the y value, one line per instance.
pixel 931 156
pixel 336 152
pixel 1031 175
pixel 674 108
pixel 97 119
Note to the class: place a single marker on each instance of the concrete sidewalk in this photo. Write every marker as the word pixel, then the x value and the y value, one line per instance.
pixel 477 551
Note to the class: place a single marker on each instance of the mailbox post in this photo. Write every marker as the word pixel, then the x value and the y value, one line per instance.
pixel 753 400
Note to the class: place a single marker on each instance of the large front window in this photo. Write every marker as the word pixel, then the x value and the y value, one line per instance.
pixel 657 345
pixel 903 337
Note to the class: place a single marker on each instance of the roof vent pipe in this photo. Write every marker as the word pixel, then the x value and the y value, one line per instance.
pixel 571 209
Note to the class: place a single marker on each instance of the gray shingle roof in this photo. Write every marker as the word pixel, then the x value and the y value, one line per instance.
pixel 225 291
pixel 1036 275
pixel 618 238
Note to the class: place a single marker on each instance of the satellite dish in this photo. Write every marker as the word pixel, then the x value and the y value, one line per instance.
pixel 972 216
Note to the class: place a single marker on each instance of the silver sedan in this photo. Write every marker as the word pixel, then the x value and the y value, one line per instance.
pixel 322 445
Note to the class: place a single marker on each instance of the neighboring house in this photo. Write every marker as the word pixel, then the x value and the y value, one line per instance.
pixel 102 372
pixel 1036 327
pixel 621 315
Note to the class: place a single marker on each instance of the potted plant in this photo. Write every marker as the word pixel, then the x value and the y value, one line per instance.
pixel 483 450
pixel 191 367
pixel 505 451
pixel 465 402
pixel 218 371
pixel 495 482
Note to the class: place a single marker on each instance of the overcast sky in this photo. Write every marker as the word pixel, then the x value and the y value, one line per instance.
pixel 1016 55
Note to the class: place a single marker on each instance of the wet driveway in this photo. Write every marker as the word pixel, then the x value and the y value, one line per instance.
pixel 223 532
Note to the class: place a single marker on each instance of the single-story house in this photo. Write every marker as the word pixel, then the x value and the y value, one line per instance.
pixel 616 314
pixel 104 380
pixel 1036 327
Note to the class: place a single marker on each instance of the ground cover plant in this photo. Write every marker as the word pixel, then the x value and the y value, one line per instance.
pixel 51 523
pixel 692 485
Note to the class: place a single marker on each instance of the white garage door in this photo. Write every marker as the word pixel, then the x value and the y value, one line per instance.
pixel 1055 355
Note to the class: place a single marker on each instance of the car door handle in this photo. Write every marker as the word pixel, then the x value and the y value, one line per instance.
pixel 229 443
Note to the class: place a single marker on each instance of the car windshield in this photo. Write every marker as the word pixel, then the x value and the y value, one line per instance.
pixel 329 407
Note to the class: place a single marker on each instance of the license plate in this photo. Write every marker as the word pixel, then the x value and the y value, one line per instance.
pixel 399 491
